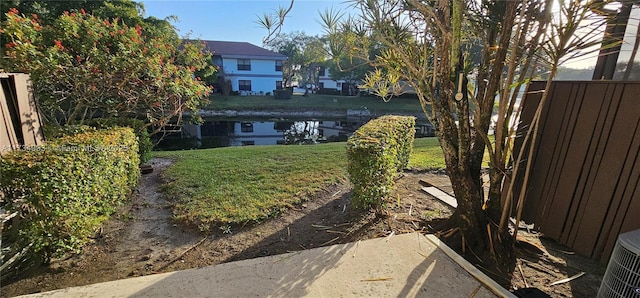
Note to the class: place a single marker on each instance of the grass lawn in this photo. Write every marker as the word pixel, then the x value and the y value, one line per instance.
pixel 241 184
pixel 315 102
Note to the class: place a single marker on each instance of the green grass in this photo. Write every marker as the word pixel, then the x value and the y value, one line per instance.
pixel 426 155
pixel 315 102
pixel 235 185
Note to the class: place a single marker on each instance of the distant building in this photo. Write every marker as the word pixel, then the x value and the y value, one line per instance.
pixel 252 70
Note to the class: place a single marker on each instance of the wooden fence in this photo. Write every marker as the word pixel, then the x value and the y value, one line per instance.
pixel 584 187
pixel 19 118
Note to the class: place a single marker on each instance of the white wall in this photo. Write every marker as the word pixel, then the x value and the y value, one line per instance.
pixel 263 74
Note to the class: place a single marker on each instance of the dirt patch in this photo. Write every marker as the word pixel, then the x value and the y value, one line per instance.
pixel 143 239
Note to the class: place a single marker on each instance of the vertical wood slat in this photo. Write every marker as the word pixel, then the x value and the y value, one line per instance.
pixel 572 162
pixel 29 117
pixel 624 190
pixel 8 140
pixel 585 186
pixel 529 105
pixel 596 109
pixel 554 159
pixel 608 170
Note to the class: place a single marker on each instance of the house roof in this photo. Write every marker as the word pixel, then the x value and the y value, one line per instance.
pixel 234 49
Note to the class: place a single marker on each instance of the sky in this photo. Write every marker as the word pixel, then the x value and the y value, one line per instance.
pixel 235 20
pixel 230 20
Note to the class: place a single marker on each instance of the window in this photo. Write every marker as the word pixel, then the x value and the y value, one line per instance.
pixel 278 65
pixel 278 85
pixel 248 143
pixel 246 127
pixel 338 85
pixel 321 71
pixel 244 64
pixel 244 85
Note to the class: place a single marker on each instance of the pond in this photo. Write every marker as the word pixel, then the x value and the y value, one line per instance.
pixel 224 132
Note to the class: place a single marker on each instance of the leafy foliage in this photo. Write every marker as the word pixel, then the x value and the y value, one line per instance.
pixel 376 153
pixel 64 190
pixel 306 55
pixel 85 67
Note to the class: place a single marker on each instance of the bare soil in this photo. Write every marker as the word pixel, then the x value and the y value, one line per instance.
pixel 143 239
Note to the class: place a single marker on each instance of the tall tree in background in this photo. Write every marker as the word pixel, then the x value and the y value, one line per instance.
pixel 426 46
pixel 306 55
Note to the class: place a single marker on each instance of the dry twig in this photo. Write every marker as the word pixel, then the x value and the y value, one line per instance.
pixel 378 279
pixel 334 239
pixel 181 255
pixel 522 275
pixel 568 279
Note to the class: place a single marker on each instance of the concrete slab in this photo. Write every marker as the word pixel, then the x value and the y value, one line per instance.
pixel 409 265
pixel 441 195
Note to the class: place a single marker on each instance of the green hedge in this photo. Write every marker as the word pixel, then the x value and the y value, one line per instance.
pixel 145 146
pixel 376 153
pixel 65 189
pixel 282 94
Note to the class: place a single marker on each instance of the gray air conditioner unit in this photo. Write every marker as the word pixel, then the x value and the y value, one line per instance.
pixel 622 278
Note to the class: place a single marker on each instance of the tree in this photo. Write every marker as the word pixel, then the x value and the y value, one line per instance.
pixel 83 67
pixel 306 55
pixel 426 46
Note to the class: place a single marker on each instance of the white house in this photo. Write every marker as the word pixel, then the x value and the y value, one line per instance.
pixel 250 68
pixel 325 82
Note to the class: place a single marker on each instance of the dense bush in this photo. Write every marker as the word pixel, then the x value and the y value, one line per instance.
pixel 145 146
pixel 282 94
pixel 329 91
pixel 376 153
pixel 64 190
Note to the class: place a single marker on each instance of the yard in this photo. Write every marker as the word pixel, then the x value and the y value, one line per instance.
pixel 236 185
pixel 266 200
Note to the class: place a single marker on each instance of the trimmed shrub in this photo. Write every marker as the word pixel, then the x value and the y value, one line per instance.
pixel 282 94
pixel 376 153
pixel 329 91
pixel 64 190
pixel 145 146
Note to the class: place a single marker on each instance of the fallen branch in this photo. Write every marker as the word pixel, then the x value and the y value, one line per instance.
pixel 336 232
pixel 568 279
pixel 181 255
pixel 389 237
pixel 334 239
pixel 321 227
pixel 522 275
pixel 378 279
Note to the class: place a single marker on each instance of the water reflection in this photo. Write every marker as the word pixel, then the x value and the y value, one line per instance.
pixel 222 133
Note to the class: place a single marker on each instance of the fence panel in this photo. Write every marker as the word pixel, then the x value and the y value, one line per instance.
pixel 584 186
pixel 19 116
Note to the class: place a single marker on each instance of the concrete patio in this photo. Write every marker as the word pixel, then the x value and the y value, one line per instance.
pixel 409 265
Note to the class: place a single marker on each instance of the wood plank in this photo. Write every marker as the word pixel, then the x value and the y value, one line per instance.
pixel 529 104
pixel 594 109
pixel 8 140
pixel 625 190
pixel 616 145
pixel 555 139
pixel 441 195
pixel 28 110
